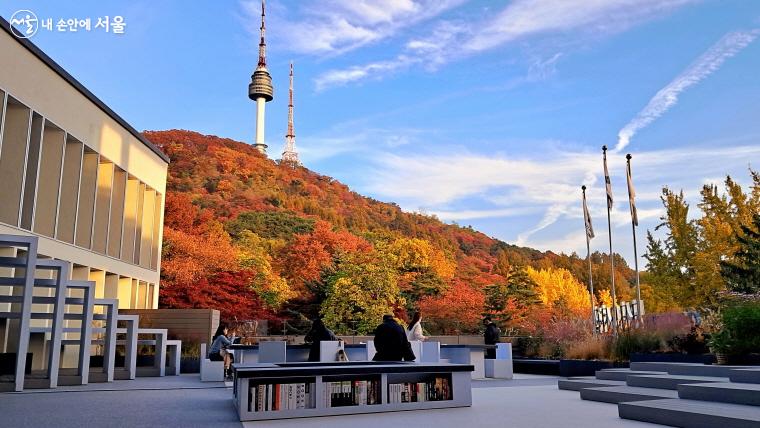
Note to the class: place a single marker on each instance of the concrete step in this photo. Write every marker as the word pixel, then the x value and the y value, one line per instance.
pixel 622 374
pixel 745 375
pixel 666 381
pixel 621 394
pixel 691 413
pixel 703 370
pixel 736 393
pixel 658 367
pixel 578 383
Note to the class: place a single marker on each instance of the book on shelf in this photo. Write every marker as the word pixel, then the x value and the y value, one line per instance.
pixel 436 389
pixel 287 396
pixel 351 393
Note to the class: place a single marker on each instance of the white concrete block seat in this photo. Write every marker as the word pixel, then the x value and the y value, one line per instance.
pixel 211 371
pixel 467 354
pixel 501 367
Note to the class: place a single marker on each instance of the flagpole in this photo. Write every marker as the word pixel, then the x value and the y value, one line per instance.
pixel 609 230
pixel 590 272
pixel 634 220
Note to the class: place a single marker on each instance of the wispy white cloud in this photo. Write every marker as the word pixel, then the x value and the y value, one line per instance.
pixel 549 186
pixel 327 145
pixel 709 62
pixel 333 27
pixel 458 215
pixel 453 40
pixel 524 18
pixel 341 77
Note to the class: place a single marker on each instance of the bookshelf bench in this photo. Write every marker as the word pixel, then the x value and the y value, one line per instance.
pixel 301 390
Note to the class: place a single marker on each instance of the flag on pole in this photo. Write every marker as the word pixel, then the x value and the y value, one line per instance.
pixel 607 181
pixel 587 218
pixel 631 192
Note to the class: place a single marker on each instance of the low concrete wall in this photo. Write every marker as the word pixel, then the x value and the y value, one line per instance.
pixel 189 325
pixel 448 340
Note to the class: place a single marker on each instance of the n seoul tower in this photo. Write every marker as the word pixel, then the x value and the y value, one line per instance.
pixel 260 89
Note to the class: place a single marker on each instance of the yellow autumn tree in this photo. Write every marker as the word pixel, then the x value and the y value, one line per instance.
pixel 559 286
pixel 418 255
pixel 254 254
pixel 604 298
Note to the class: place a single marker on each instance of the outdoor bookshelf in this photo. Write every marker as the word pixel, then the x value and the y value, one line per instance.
pixel 298 390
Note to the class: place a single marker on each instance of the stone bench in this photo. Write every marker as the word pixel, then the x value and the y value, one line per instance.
pixel 501 367
pixel 211 371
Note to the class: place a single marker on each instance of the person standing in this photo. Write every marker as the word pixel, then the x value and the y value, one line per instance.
pixel 318 333
pixel 414 330
pixel 391 342
pixel 491 336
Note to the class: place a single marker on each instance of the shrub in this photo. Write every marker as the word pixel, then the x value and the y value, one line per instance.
pixel 694 342
pixel 593 348
pixel 739 335
pixel 563 333
pixel 635 341
pixel 668 325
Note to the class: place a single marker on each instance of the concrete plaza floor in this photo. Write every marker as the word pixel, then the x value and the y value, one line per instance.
pixel 183 401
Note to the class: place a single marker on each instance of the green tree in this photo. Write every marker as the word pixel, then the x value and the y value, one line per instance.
pixel 362 288
pixel 519 290
pixel 743 274
pixel 270 224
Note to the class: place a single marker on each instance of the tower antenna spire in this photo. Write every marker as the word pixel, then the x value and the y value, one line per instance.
pixel 260 89
pixel 262 42
pixel 289 155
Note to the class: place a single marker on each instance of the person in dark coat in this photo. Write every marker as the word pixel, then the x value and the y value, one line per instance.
pixel 391 343
pixel 318 333
pixel 491 336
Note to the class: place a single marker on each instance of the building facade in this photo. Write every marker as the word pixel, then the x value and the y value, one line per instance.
pixel 79 177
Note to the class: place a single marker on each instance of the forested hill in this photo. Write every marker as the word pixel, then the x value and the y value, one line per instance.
pixel 258 239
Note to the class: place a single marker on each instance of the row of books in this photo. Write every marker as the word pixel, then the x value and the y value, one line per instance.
pixel 281 396
pixel 437 389
pixel 293 396
pixel 351 393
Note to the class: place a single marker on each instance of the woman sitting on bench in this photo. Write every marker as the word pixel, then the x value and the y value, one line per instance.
pixel 218 351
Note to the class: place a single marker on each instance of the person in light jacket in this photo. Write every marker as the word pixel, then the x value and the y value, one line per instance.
pixel 414 330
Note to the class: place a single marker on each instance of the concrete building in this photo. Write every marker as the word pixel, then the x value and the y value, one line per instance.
pixel 78 176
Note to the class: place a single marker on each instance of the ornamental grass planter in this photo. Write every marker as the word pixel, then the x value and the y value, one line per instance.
pixel 536 366
pixel 190 365
pixel 672 357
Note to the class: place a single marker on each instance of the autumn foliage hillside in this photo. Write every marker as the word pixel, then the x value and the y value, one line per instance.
pixel 256 239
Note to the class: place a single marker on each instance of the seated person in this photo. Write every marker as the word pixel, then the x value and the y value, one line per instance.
pixel 391 342
pixel 218 351
pixel 318 333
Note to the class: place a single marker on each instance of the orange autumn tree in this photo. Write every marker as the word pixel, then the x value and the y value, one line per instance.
pixel 458 310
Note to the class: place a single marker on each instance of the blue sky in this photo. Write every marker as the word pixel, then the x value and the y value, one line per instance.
pixel 487 113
